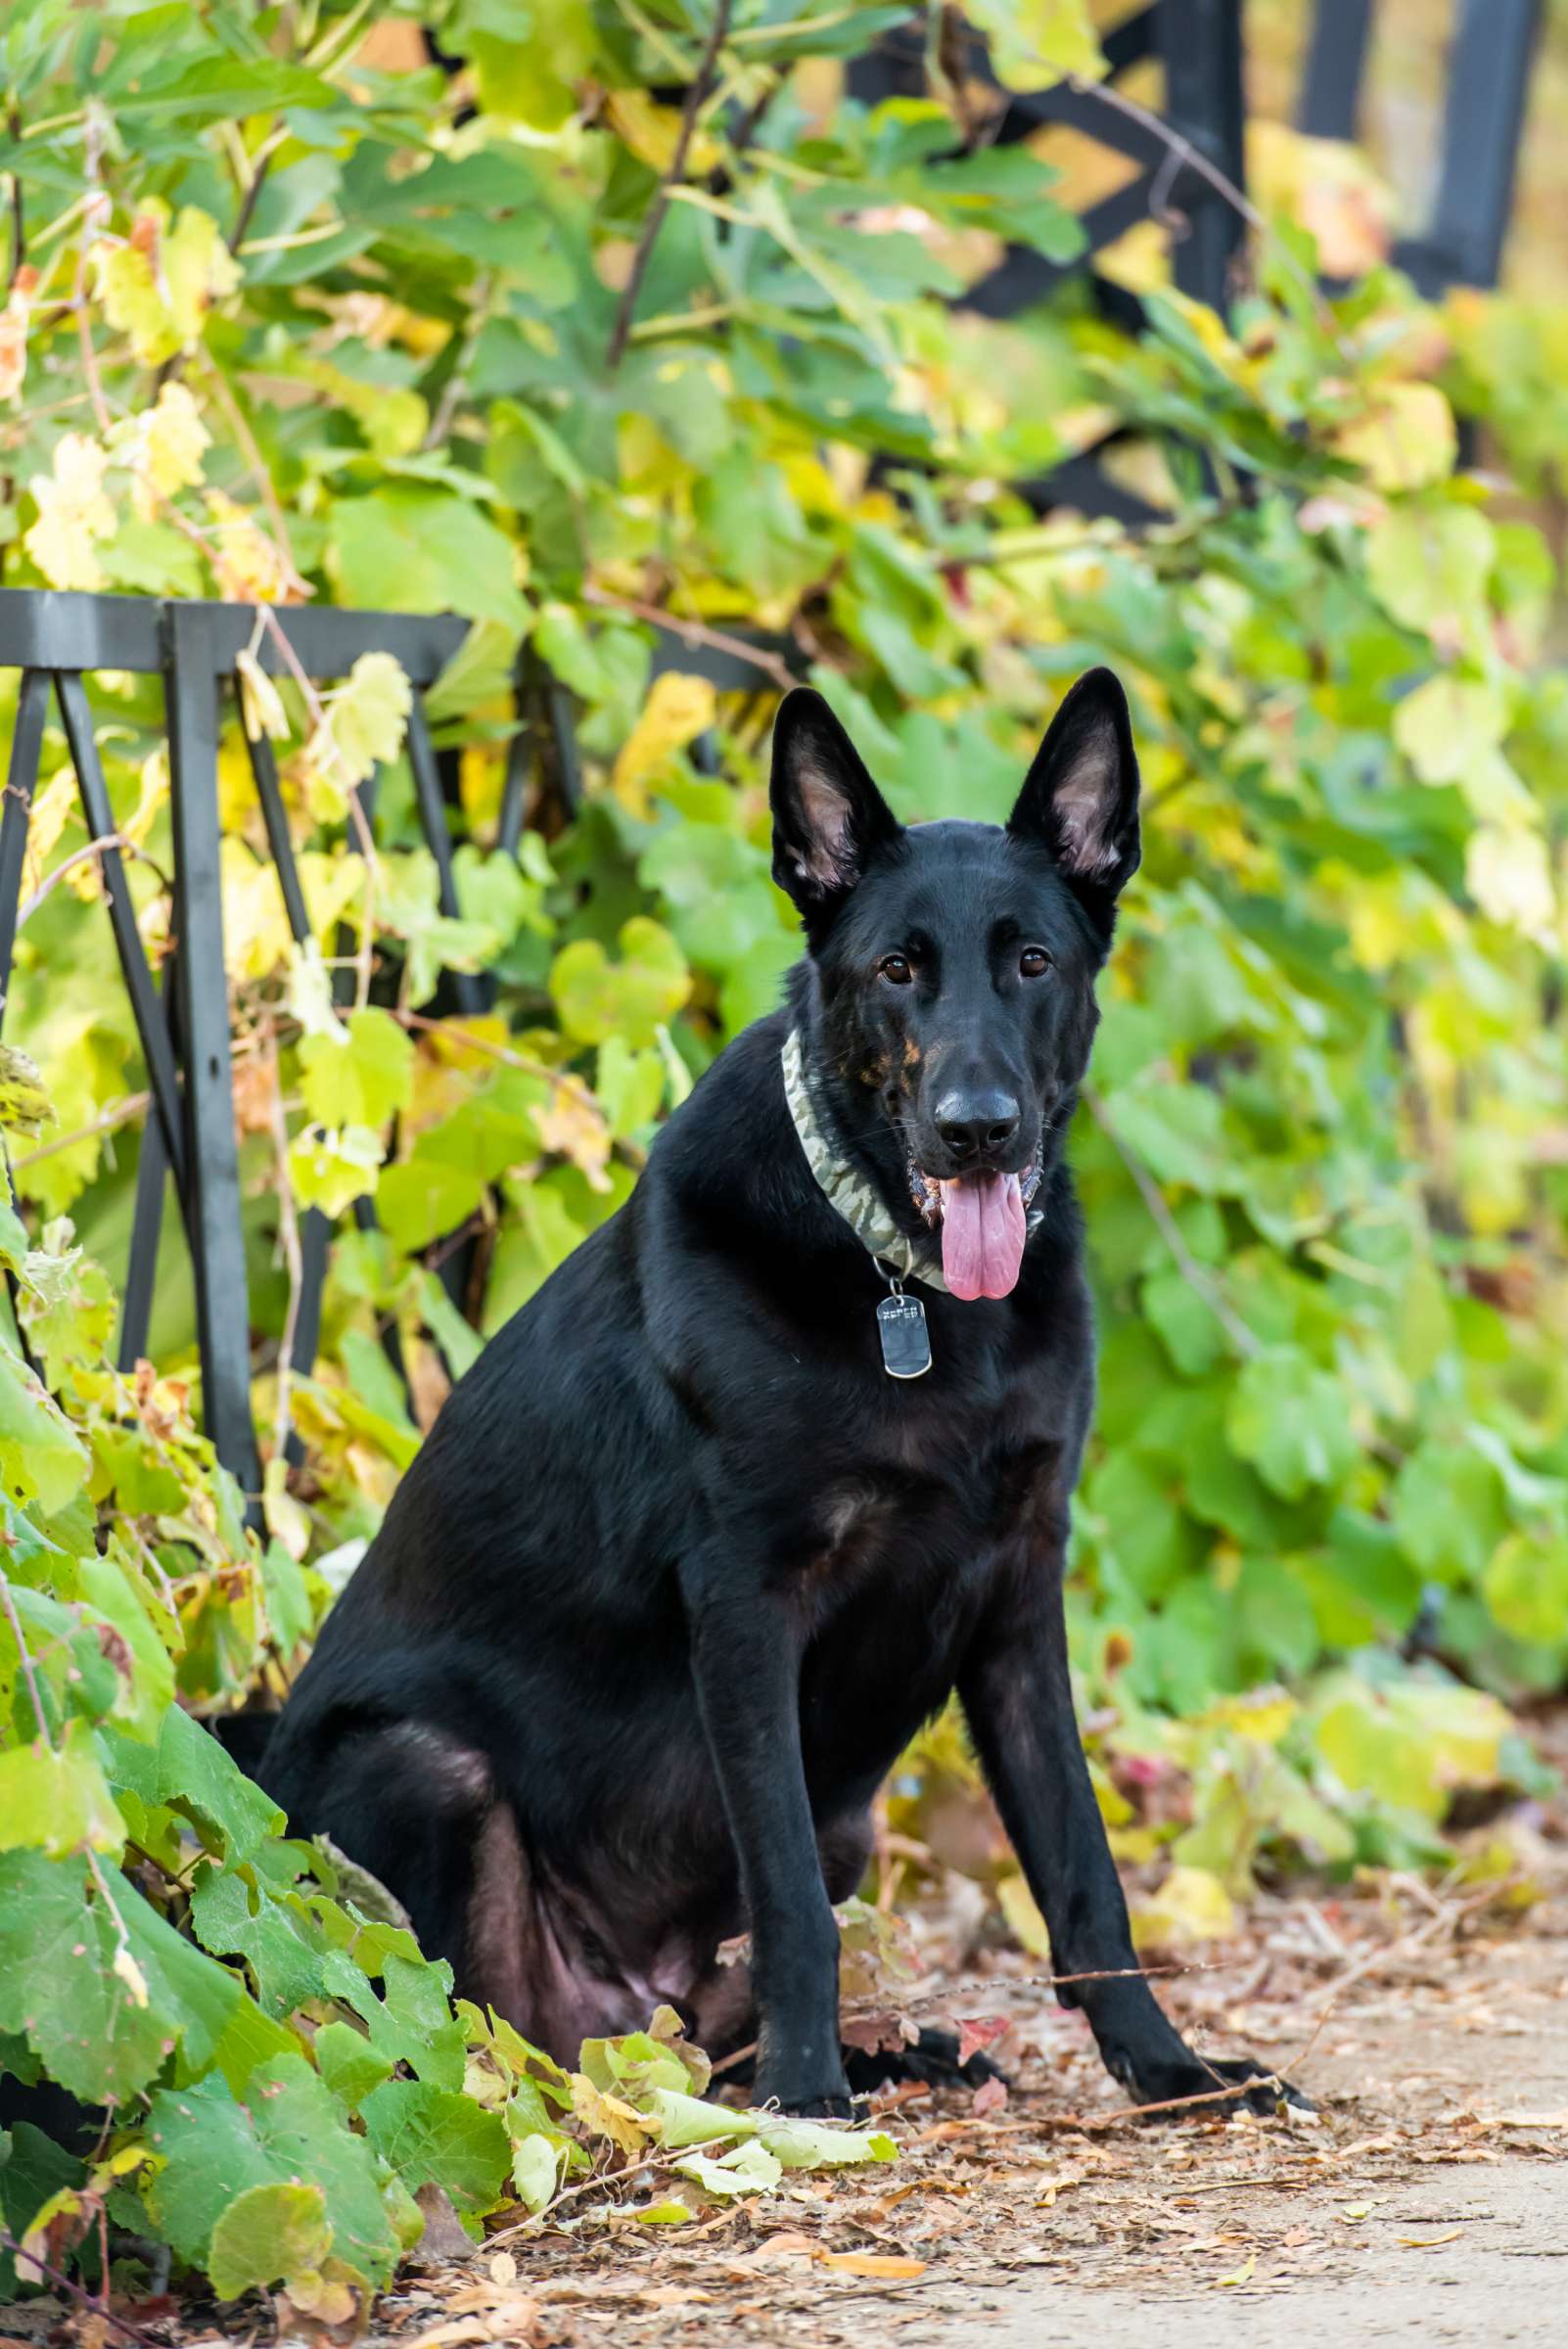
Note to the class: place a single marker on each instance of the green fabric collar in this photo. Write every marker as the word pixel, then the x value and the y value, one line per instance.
pixel 856 1200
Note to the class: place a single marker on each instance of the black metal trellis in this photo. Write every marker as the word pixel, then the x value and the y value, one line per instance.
pixel 1487 76
pixel 57 639
pixel 1201 46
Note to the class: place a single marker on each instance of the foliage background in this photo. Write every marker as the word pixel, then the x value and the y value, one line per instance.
pixel 291 313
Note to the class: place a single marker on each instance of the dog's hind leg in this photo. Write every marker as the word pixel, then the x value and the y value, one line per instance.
pixel 408 1803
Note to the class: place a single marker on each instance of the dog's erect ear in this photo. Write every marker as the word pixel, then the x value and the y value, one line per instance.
pixel 828 815
pixel 1080 795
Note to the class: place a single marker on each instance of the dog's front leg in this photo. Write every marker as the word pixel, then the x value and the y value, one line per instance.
pixel 746 1662
pixel 1018 1696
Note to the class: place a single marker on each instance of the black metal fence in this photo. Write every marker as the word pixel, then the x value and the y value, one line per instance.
pixel 1488 62
pixel 57 639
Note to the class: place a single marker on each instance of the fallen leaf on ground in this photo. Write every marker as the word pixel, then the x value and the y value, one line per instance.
pixel 874 2263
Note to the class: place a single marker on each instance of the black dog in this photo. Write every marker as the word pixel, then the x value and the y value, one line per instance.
pixel 701 1541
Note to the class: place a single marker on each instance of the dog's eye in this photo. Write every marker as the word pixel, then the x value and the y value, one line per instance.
pixel 1034 962
pixel 897 969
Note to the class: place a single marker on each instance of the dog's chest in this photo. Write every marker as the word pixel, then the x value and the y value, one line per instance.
pixel 929 1513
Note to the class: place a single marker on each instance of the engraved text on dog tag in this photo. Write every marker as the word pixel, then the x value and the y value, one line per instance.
pixel 905 1344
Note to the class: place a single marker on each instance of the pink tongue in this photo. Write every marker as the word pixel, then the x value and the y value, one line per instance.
pixel 982 1233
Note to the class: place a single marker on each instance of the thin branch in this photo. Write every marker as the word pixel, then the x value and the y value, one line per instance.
pixel 257 466
pixel 365 959
pixel 561 1078
pixel 452 392
pixel 1196 1276
pixel 750 123
pixel 94 848
pixel 253 187
pixel 28 1673
pixel 1181 152
pixel 78 2293
pixel 121 1113
pixel 692 632
pixel 653 222
pixel 662 2157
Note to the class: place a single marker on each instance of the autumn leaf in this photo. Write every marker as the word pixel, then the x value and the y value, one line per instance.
pixel 14 332
pixel 249 568
pixel 677 709
pixel 158 286
pixel 74 514
pixel 164 447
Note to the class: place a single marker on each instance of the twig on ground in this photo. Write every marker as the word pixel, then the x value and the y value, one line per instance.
pixel 659 2157
pixel 78 2293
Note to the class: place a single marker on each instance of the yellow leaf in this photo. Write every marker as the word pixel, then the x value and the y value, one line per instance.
pixel 164 447
pixel 250 569
pixel 1263 1716
pixel 261 702
pixel 14 335
pixel 256 936
pixel 158 286
pixel 362 725
pixel 287 1520
pixel 1025 1921
pixel 611 2116
pixel 72 513
pixel 573 1125
pixel 677 709
pixel 651 130
pixel 1509 876
pixel 53 808
pixel 1406 440
pixel 1191 1906
pixel 1328 187
pixel 874 2263
pixel 1242 2275
pixel 1036 42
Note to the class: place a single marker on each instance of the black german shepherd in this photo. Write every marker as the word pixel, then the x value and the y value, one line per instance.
pixel 728 1509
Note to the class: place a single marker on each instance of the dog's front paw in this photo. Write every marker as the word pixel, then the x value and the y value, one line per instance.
pixel 1207 2086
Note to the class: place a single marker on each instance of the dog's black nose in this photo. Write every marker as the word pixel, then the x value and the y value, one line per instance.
pixel 977 1125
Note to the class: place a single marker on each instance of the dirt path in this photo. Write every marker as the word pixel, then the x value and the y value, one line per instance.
pixel 1444 2228
pixel 1428 2199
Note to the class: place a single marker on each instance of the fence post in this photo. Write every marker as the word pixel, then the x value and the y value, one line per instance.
pixel 1329 106
pixel 217 1243
pixel 1200 42
pixel 1489 74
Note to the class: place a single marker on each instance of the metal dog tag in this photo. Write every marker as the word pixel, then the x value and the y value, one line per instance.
pixel 906 1343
